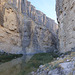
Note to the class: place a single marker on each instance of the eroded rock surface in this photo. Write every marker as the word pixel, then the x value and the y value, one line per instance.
pixel 66 19
pixel 23 28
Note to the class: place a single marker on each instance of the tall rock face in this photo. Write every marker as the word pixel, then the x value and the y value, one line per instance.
pixel 23 29
pixel 66 20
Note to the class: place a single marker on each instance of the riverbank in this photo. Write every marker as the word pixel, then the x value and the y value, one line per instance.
pixel 63 65
pixel 39 63
pixel 5 57
pixel 39 59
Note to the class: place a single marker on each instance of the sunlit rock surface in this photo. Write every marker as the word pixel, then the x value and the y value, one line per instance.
pixel 65 12
pixel 60 66
pixel 23 28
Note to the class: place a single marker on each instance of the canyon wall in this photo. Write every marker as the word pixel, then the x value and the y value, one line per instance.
pixel 66 20
pixel 23 29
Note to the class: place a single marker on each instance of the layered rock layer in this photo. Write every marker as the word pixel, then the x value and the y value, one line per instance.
pixel 25 29
pixel 66 19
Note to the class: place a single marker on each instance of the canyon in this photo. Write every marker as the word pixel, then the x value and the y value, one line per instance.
pixel 63 65
pixel 23 29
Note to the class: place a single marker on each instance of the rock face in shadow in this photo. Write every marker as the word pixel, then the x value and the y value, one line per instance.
pixel 66 19
pixel 23 29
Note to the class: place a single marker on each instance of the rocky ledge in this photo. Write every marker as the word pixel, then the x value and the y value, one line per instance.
pixel 62 66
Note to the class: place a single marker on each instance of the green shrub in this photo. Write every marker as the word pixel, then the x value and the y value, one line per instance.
pixel 39 59
pixel 4 57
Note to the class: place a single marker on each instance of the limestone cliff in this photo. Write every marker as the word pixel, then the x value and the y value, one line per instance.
pixel 23 28
pixel 65 12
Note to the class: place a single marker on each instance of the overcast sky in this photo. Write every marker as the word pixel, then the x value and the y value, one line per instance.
pixel 46 6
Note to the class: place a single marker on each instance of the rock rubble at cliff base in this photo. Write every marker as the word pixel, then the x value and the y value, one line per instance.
pixel 61 66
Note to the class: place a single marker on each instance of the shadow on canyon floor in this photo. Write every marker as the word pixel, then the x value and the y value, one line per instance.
pixel 25 64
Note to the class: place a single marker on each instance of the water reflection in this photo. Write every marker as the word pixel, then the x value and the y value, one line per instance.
pixel 15 67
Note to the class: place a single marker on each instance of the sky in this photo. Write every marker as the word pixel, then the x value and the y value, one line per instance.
pixel 46 6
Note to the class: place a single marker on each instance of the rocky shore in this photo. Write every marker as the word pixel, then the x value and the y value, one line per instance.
pixel 61 66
